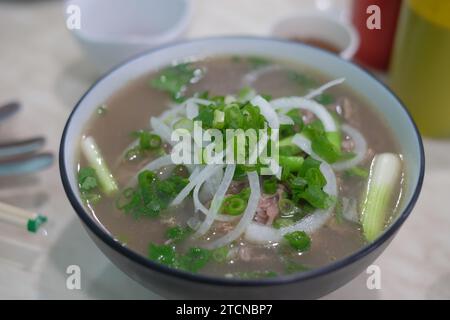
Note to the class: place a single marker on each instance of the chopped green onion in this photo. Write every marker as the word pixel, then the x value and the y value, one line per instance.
pixel 184 123
pixel 95 159
pixel 384 178
pixel 219 119
pixel 298 240
pixel 220 254
pixel 270 186
pixel 291 163
pixel 234 205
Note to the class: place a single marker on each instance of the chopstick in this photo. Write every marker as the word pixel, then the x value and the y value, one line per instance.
pixel 22 218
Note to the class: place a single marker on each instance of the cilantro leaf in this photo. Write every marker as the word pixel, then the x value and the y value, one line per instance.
pixel 174 79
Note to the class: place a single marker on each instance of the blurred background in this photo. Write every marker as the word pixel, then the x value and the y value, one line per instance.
pixel 51 51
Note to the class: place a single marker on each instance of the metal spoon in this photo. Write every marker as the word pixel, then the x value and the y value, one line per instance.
pixel 8 110
pixel 16 148
pixel 26 165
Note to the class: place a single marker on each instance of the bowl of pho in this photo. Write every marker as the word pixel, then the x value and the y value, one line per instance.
pixel 241 168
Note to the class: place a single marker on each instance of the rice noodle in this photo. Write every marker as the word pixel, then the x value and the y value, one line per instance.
pixel 216 201
pixel 194 179
pixel 321 89
pixel 360 149
pixel 319 110
pixel 247 217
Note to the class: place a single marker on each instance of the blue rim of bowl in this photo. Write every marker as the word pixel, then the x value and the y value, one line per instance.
pixel 279 280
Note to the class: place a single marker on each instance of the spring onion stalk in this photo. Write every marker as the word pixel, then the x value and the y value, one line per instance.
pixel 384 177
pixel 95 159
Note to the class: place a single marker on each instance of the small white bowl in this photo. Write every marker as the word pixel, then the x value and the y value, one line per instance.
pixel 111 31
pixel 323 27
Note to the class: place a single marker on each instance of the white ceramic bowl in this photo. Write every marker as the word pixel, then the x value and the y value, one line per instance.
pixel 322 27
pixel 113 30
pixel 311 284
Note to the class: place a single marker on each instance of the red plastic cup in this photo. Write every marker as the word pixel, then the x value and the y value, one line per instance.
pixel 375 44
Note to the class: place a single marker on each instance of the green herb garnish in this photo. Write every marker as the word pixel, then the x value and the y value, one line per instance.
pixel 298 240
pixel 325 99
pixel 193 260
pixel 88 185
pixel 174 79
pixel 151 194
pixel 270 186
pixel 178 233
pixel 357 172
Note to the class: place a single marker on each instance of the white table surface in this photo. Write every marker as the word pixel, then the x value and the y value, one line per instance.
pixel 41 65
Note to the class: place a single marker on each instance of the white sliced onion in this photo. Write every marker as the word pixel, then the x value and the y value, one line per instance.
pixel 267 111
pixel 161 129
pixel 251 77
pixel 212 184
pixel 191 110
pixel 305 144
pixel 172 112
pixel 216 201
pixel 319 110
pixel 247 217
pixel 156 164
pixel 317 92
pixel 284 119
pixel 360 149
pixel 193 181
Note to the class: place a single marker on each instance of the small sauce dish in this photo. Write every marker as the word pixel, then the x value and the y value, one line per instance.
pixel 320 30
pixel 110 31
